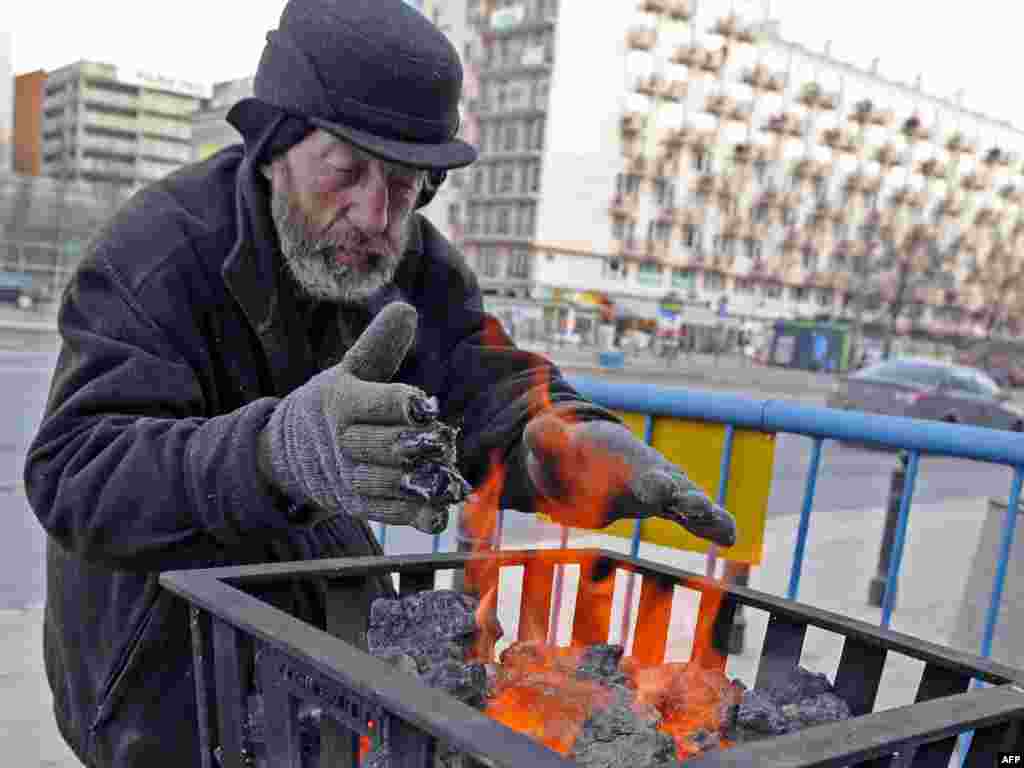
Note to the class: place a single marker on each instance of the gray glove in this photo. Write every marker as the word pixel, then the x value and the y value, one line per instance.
pixel 346 442
pixel 597 472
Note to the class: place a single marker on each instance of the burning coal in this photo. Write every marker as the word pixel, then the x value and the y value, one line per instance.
pixel 589 703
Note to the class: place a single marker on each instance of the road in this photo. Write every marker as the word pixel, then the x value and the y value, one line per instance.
pixel 851 478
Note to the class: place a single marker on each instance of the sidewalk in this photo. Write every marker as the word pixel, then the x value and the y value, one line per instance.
pixel 841 557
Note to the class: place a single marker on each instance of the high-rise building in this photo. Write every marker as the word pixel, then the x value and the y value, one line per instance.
pixel 210 131
pixel 114 124
pixel 6 102
pixel 666 146
pixel 29 90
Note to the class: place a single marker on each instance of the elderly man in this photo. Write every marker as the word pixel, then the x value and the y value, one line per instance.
pixel 270 347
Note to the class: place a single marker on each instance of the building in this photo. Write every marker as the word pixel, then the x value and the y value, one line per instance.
pixel 683 148
pixel 210 131
pixel 6 102
pixel 29 90
pixel 117 125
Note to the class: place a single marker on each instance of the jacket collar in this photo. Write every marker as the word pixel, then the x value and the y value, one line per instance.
pixel 254 277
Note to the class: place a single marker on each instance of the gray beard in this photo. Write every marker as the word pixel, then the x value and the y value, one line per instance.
pixel 310 258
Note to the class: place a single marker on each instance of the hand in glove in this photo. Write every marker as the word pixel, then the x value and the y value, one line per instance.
pixel 597 472
pixel 347 442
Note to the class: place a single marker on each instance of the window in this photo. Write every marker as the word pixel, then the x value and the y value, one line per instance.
pixel 490 262
pixel 538 137
pixel 662 231
pixel 454 214
pixel 632 184
pixel 540 94
pixel 508 178
pixel 525 223
pixel 754 250
pixel 519 263
pixel 713 281
pixel 702 162
pixel 693 236
pixel 745 286
pixel 771 290
pixel 809 258
pixel 685 279
pixel 472 219
pixel 798 293
pixel 820 189
pixel 648 274
pixel 493 169
pixel 524 178
pixel 664 192
pixel 618 228
pixel 760 168
pixel 535 177
pixel 478 181
pixel 502 224
pixel 825 297
pixel 511 136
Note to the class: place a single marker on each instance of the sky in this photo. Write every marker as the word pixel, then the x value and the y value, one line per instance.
pixel 952 45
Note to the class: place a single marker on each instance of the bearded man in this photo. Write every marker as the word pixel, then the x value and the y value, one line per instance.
pixel 268 348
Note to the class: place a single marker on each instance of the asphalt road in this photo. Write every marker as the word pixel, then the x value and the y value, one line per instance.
pixel 851 478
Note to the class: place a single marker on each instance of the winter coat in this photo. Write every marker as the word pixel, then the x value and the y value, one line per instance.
pixel 179 336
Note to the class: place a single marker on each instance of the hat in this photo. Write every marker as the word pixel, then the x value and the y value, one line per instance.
pixel 376 73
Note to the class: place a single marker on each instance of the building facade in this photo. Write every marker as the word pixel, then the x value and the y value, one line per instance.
pixel 116 125
pixel 29 89
pixel 685 149
pixel 210 131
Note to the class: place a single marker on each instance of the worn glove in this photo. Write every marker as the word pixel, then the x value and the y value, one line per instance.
pixel 346 442
pixel 597 472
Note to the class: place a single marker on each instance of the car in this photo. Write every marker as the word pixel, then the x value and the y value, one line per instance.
pixel 21 288
pixel 1003 360
pixel 928 389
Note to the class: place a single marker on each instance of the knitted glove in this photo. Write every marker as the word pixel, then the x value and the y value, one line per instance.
pixel 347 442
pixel 597 472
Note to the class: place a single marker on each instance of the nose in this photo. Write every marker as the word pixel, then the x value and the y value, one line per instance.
pixel 370 203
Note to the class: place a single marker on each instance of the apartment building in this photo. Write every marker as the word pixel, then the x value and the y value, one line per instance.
pixel 665 147
pixel 117 125
pixel 210 131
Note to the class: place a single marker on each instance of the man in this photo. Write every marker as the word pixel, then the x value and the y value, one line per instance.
pixel 268 348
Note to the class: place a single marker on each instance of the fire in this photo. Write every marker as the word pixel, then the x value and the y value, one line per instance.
pixel 537 691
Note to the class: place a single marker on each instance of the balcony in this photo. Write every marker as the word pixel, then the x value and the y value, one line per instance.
pixel 654 6
pixel 987 217
pixel 732 28
pixel 861 182
pixel 973 182
pixel 998 157
pixel 958 144
pixel 638 165
pixel 807 169
pixel 949 207
pixel 932 168
pixel 814 97
pixel 666 163
pixel 1011 194
pixel 785 125
pixel 690 56
pixel 675 91
pixel 112 121
pixel 760 78
pixel 680 10
pixel 104 97
pixel 719 105
pixel 866 113
pixel 631 125
pixel 887 156
pixel 705 185
pixel 108 145
pixel 745 154
pixel 641 38
pixel 167 104
pixel 713 61
pixel 839 140
pixel 624 206
pixel 914 129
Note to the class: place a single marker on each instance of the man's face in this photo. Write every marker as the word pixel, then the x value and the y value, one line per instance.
pixel 343 217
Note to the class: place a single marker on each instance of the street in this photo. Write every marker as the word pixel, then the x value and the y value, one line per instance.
pixel 851 478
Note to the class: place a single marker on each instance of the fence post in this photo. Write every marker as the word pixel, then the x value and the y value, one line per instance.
pixel 876 589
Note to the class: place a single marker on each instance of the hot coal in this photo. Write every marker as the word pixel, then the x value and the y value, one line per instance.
pixel 623 733
pixel 641 717
pixel 804 699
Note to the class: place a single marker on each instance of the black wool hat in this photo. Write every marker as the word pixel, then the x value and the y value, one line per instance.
pixel 376 73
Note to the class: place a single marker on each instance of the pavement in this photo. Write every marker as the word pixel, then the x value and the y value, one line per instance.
pixel 841 558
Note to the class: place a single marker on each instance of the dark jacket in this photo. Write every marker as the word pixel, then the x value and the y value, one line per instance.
pixel 178 338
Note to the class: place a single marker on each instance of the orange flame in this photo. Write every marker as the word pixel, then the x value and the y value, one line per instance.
pixel 481 575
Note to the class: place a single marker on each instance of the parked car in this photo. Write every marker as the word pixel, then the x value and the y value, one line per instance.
pixel 21 288
pixel 928 389
pixel 1002 360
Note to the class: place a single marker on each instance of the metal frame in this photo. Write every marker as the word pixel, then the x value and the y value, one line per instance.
pixel 300 662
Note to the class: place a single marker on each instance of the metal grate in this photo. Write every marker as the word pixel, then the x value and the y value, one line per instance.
pixel 297 664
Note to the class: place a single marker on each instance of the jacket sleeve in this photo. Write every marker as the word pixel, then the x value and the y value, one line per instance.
pixel 125 468
pixel 494 390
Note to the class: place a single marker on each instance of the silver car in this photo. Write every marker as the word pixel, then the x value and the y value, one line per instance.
pixel 928 389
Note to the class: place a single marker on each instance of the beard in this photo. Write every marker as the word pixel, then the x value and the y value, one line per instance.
pixel 310 256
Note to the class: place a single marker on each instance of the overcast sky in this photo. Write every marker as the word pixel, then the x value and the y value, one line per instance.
pixel 953 45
